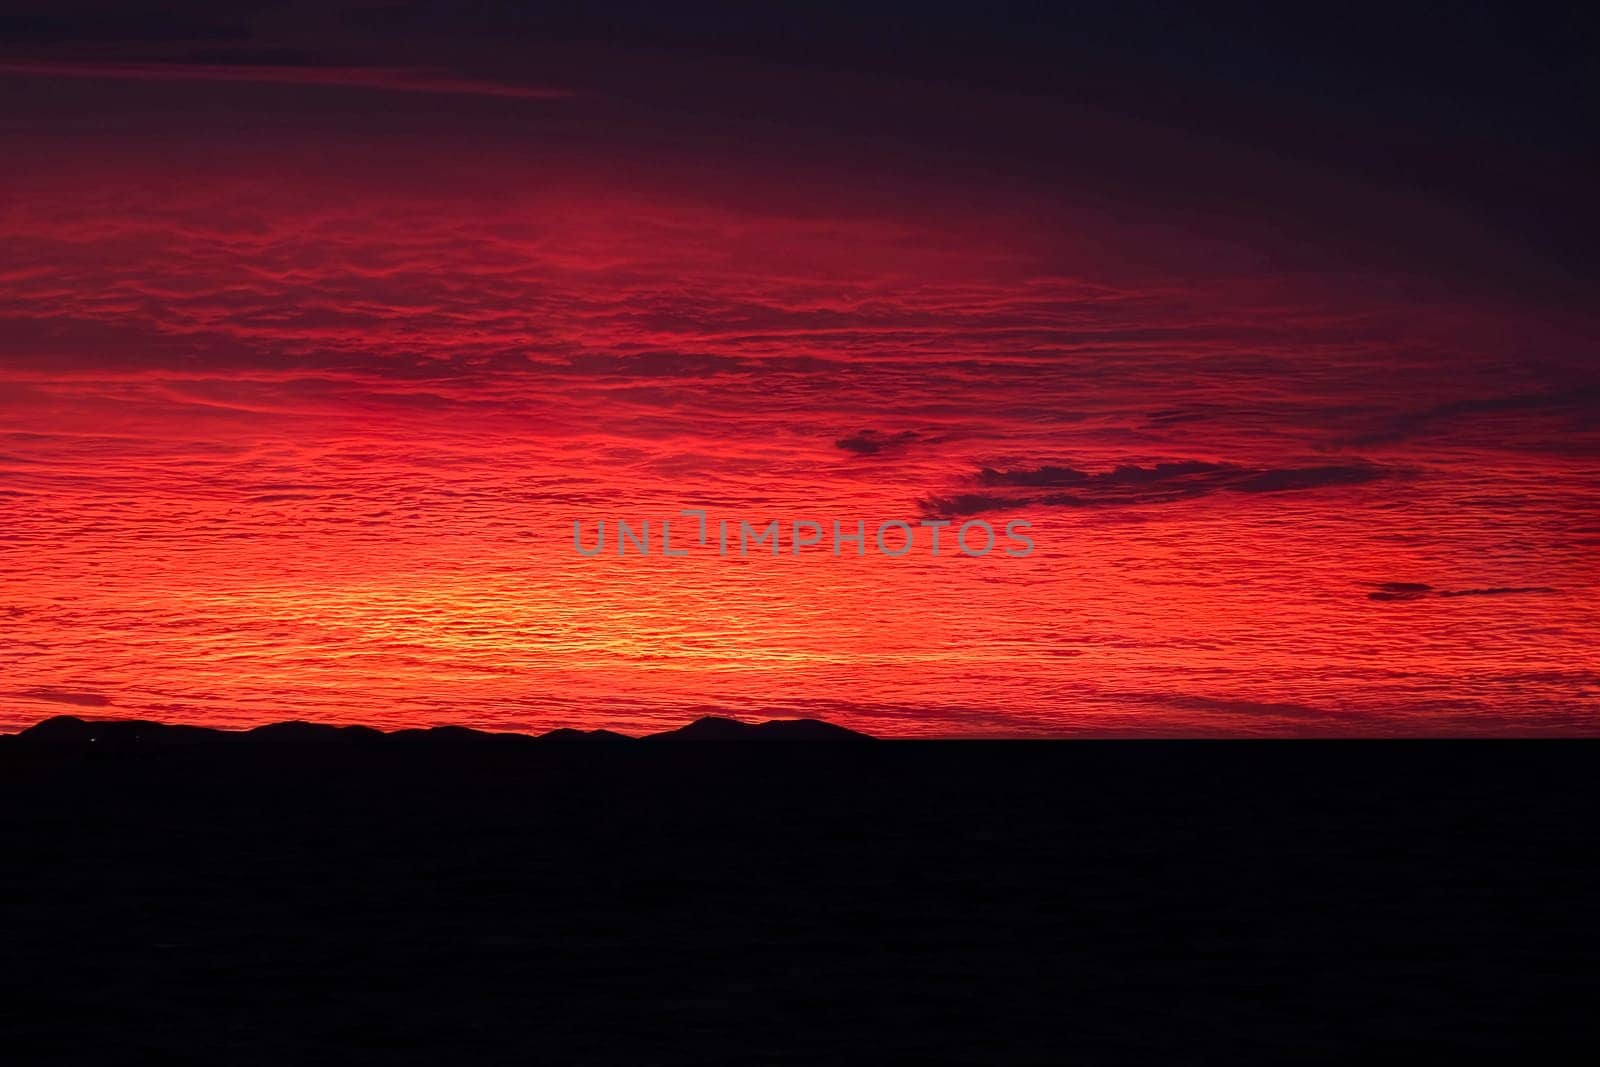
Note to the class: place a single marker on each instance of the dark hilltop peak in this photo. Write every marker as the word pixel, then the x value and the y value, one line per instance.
pixel 60 728
pixel 567 734
pixel 452 735
pixel 715 728
pixel 298 732
pixel 114 733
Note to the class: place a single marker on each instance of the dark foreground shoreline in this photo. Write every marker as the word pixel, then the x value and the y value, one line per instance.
pixel 979 902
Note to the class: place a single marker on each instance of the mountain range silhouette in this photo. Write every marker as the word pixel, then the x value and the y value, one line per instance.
pixel 140 733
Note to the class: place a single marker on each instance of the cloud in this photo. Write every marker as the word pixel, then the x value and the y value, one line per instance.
pixel 970 504
pixel 445 356
pixel 104 25
pixel 391 79
pixel 1130 485
pixel 1038 476
pixel 57 696
pixel 1418 590
pixel 1579 404
pixel 1503 590
pixel 1228 705
pixel 1298 478
pixel 871 442
pixel 1400 591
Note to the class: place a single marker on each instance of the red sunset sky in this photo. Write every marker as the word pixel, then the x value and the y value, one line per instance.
pixel 307 366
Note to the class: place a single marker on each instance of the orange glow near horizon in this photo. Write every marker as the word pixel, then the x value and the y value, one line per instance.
pixel 310 446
